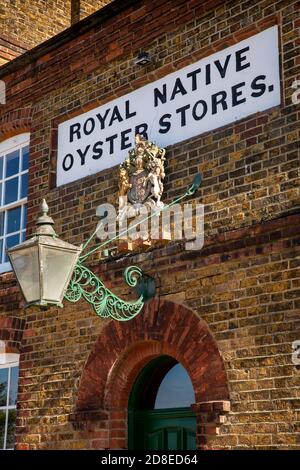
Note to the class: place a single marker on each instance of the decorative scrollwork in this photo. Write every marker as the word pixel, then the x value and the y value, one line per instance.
pixel 131 275
pixel 86 284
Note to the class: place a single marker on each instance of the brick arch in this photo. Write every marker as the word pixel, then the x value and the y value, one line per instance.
pixel 15 122
pixel 11 333
pixel 123 349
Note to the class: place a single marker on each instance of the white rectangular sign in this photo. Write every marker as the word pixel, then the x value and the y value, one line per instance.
pixel 224 87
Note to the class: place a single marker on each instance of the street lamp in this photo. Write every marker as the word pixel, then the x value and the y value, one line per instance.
pixel 44 264
pixel 49 269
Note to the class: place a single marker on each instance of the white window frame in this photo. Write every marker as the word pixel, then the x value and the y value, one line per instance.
pixel 7 146
pixel 12 360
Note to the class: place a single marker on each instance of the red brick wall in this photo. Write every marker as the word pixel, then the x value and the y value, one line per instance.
pixel 89 7
pixel 26 23
pixel 9 50
pixel 245 282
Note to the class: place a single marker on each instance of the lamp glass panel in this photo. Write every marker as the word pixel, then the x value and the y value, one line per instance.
pixel 9 243
pixel 57 266
pixel 26 265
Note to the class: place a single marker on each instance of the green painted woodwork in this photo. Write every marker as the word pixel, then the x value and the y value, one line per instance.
pixel 173 429
pixel 162 429
pixel 85 284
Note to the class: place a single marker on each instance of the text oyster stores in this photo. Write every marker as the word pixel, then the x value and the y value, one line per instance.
pixel 227 86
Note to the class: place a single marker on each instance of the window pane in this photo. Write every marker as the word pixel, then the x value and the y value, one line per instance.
pixel 2 428
pixel 24 217
pixel 1 246
pixel 176 389
pixel 13 220
pixel 11 241
pixel 1 167
pixel 1 223
pixel 11 191
pixel 13 389
pixel 11 425
pixel 24 185
pixel 3 386
pixel 12 163
pixel 25 158
pixel 0 194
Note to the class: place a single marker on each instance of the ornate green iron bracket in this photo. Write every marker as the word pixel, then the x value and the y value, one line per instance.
pixel 85 284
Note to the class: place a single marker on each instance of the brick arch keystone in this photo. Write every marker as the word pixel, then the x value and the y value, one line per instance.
pixel 123 349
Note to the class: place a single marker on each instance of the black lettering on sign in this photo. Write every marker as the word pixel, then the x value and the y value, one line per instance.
pixel 142 129
pixel 97 150
pixel 222 68
pixel 125 139
pixel 68 162
pixel 235 93
pixel 178 88
pixel 196 116
pixel 260 87
pixel 160 95
pixel 82 154
pixel 193 76
pixel 218 98
pixel 89 126
pixel 116 116
pixel 240 58
pixel 128 114
pixel 207 75
pixel 182 112
pixel 75 129
pixel 102 119
pixel 165 125
pixel 111 140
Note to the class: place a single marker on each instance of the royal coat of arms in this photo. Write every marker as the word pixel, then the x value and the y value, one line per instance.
pixel 141 178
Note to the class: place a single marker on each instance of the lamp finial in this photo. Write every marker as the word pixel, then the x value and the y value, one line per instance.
pixel 44 207
pixel 44 222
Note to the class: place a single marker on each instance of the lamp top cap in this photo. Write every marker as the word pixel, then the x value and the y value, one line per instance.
pixel 45 223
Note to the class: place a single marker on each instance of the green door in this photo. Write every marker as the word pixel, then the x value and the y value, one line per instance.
pixel 165 429
pixel 160 415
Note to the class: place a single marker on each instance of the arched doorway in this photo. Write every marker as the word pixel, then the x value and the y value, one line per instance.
pixel 159 413
pixel 121 354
